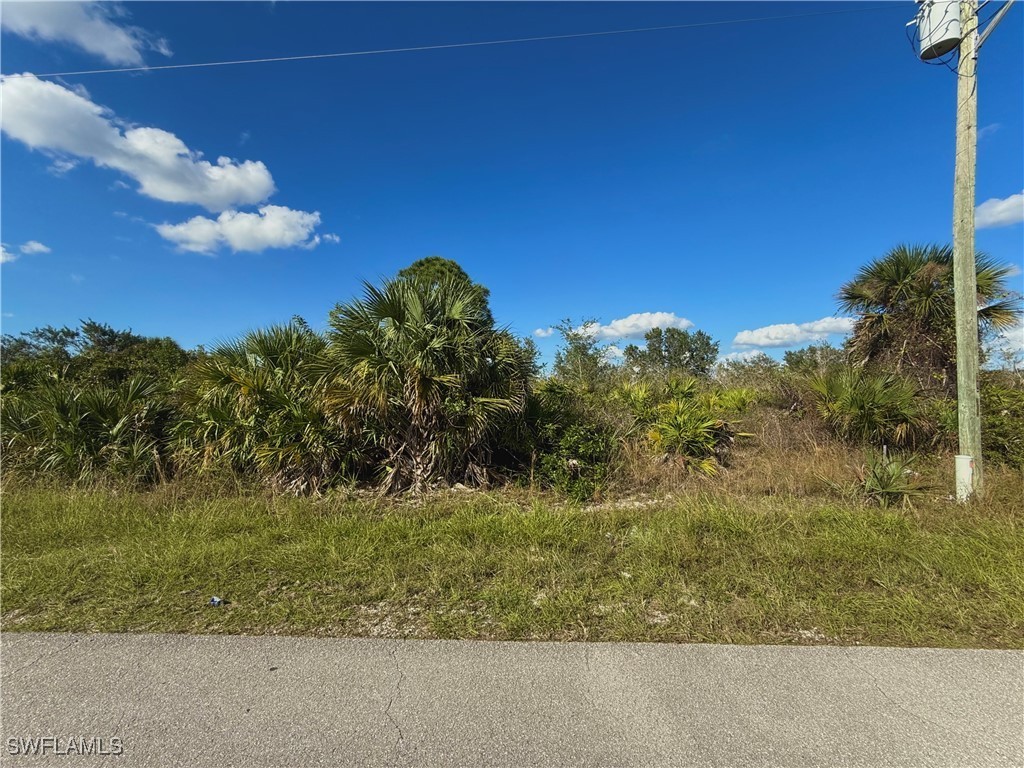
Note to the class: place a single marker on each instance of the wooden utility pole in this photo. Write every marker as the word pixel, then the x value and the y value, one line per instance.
pixel 965 281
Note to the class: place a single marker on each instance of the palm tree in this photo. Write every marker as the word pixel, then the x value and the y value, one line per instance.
pixel 905 304
pixel 254 405
pixel 420 366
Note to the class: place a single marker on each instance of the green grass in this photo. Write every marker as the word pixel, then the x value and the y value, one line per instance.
pixel 696 569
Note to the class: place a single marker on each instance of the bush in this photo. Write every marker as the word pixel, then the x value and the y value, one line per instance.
pixel 873 408
pixel 88 434
pixel 1002 419
pixel 688 430
pixel 888 479
pixel 576 460
pixel 253 406
pixel 729 401
pixel 1002 425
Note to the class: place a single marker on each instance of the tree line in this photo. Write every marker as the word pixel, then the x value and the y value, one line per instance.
pixel 414 386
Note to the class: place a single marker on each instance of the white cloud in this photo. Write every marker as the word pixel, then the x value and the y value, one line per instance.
pixel 612 353
pixel 988 130
pixel 57 120
pixel 1009 344
pixel 636 325
pixel 6 256
pixel 275 226
pixel 829 325
pixel 34 246
pixel 791 334
pixel 62 165
pixel 330 237
pixel 95 27
pixel 543 333
pixel 1000 213
pixel 739 357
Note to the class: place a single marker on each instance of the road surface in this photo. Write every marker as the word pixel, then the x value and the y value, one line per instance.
pixel 179 700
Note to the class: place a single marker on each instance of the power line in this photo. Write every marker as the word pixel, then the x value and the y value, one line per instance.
pixel 448 45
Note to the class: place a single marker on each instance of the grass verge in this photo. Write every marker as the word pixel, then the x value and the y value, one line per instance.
pixel 493 566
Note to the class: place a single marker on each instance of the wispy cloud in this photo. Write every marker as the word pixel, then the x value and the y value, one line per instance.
pixel 1010 343
pixel 34 246
pixel 62 165
pixel 988 130
pixel 543 333
pixel 30 248
pixel 99 28
pixel 793 334
pixel 612 353
pixel 1000 213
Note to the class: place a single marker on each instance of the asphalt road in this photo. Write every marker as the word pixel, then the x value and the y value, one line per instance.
pixel 178 700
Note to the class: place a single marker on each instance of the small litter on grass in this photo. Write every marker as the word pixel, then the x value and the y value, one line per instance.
pixel 216 602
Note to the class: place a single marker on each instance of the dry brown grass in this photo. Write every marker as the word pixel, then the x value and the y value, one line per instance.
pixel 790 454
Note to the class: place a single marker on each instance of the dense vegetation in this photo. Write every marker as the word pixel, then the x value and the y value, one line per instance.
pixel 740 501
pixel 414 387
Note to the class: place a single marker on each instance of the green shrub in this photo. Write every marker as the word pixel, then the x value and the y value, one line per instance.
pixel 1002 426
pixel 942 413
pixel 682 387
pixel 729 401
pixel 873 408
pixel 83 433
pixel 687 429
pixel 889 479
pixel 1002 419
pixel 640 400
pixel 576 459
pixel 253 406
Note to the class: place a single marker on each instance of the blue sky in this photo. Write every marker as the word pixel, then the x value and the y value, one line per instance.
pixel 732 177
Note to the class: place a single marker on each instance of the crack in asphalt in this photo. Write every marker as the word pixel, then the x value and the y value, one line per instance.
pixel 395 694
pixel 916 715
pixel 40 657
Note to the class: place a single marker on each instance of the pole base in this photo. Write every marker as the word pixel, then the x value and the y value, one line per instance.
pixel 964 477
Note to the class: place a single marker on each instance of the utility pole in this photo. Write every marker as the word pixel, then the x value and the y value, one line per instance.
pixel 943 26
pixel 965 282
